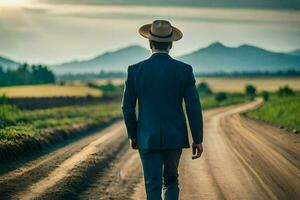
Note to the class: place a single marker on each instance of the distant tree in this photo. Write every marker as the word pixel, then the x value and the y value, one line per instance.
pixel 26 74
pixel 285 91
pixel 41 74
pixel 2 99
pixel 204 89
pixel 2 77
pixel 221 96
pixel 265 95
pixel 109 87
pixel 93 85
pixel 250 91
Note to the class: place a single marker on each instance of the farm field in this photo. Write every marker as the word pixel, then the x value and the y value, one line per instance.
pixel 18 124
pixel 26 132
pixel 78 88
pixel 49 90
pixel 231 84
pixel 280 111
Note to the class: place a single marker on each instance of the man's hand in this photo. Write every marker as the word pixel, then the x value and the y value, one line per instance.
pixel 197 150
pixel 133 143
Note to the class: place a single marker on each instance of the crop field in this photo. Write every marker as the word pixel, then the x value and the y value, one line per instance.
pixel 17 124
pixel 49 90
pixel 280 111
pixel 238 84
pixel 78 88
pixel 231 84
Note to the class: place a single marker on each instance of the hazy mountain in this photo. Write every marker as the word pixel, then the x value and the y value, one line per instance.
pixel 6 63
pixel 295 52
pixel 217 58
pixel 111 61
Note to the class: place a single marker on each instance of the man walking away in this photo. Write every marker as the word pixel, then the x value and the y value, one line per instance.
pixel 160 84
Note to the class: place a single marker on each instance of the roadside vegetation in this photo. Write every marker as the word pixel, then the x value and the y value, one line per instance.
pixel 209 99
pixel 281 109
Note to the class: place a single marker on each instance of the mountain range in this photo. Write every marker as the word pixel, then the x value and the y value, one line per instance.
pixel 295 52
pixel 213 58
pixel 246 58
pixel 111 61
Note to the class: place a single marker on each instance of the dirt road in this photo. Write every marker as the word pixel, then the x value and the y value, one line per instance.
pixel 242 159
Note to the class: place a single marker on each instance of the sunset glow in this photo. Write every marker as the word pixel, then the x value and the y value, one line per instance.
pixel 14 2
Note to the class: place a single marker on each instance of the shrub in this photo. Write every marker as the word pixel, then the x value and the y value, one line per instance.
pixel 250 91
pixel 265 95
pixel 204 89
pixel 221 96
pixel 2 99
pixel 285 91
pixel 7 115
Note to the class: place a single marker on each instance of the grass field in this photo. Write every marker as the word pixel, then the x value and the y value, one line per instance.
pixel 210 101
pixel 261 83
pixel 280 111
pixel 49 90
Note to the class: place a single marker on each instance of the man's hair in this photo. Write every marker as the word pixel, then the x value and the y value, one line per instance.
pixel 162 46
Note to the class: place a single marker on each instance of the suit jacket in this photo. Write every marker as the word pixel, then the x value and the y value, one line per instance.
pixel 159 85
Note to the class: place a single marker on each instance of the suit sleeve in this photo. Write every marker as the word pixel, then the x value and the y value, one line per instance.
pixel 128 106
pixel 193 107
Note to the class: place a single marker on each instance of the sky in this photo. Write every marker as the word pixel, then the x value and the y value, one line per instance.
pixel 51 32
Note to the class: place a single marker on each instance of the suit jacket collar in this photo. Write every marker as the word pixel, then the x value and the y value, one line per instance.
pixel 160 55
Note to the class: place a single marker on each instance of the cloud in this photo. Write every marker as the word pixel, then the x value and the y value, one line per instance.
pixel 54 33
pixel 264 4
pixel 209 15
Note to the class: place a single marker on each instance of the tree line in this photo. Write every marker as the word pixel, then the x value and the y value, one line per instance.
pixel 26 75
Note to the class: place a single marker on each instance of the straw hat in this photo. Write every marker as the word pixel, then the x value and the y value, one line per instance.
pixel 161 31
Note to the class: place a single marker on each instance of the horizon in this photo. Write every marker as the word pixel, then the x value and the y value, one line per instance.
pixel 36 31
pixel 138 45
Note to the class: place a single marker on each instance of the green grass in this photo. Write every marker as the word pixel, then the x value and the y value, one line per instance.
pixel 280 111
pixel 208 102
pixel 16 124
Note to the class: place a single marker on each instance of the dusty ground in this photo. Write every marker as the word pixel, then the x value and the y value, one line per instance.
pixel 242 159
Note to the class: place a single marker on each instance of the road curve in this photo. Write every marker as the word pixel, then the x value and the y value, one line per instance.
pixel 242 159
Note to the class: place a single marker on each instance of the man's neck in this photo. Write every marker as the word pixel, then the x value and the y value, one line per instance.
pixel 159 51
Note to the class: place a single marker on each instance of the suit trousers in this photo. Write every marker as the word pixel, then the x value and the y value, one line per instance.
pixel 161 173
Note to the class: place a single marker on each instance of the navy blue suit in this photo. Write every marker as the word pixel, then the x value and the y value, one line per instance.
pixel 159 85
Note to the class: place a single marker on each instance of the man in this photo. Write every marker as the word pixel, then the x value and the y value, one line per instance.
pixel 160 84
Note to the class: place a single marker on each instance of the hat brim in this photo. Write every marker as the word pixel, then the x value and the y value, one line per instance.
pixel 145 32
